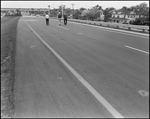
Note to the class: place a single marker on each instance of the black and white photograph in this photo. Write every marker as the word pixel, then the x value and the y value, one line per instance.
pixel 74 59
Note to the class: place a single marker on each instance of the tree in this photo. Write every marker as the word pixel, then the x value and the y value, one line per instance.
pixel 77 14
pixel 84 14
pixel 92 13
pixel 95 12
pixel 98 7
pixel 143 11
pixel 32 11
pixel 18 12
pixel 54 12
pixel 81 9
pixel 142 8
pixel 108 13
pixel 60 8
pixel 68 11
pixel 125 10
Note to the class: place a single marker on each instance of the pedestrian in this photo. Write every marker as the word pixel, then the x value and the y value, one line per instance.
pixel 47 19
pixel 59 18
pixel 65 19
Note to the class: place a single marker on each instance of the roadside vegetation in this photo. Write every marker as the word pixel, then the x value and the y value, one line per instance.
pixel 8 47
pixel 94 13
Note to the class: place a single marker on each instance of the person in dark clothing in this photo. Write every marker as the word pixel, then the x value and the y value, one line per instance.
pixel 47 19
pixel 65 18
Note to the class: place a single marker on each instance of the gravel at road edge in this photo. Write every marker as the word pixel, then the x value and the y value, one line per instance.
pixel 8 47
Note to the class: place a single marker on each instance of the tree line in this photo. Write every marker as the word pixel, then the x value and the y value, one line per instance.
pixel 94 12
pixel 15 12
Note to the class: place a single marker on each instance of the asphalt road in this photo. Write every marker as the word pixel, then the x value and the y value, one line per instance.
pixel 114 63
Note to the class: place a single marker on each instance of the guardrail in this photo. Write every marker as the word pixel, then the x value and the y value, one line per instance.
pixel 113 25
pixel 117 25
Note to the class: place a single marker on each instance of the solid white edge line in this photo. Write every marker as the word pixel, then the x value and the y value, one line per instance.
pixel 136 49
pixel 63 27
pixel 105 103
pixel 113 30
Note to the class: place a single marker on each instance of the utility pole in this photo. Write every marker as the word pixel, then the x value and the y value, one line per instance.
pixel 72 9
pixel 100 14
pixel 53 4
pixel 49 9
pixel 72 6
pixel 62 10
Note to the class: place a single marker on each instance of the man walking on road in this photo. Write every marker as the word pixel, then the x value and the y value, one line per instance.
pixel 47 19
pixel 65 19
pixel 59 18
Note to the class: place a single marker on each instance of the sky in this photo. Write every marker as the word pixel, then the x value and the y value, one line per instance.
pixel 68 4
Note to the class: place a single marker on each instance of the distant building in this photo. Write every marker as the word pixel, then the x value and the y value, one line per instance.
pixel 121 17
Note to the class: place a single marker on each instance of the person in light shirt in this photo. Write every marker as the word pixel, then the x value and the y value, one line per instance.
pixel 59 18
pixel 47 19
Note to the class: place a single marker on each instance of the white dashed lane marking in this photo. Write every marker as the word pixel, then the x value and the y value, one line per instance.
pixel 79 33
pixel 63 27
pixel 137 49
pixel 28 20
pixel 143 93
pixel 32 46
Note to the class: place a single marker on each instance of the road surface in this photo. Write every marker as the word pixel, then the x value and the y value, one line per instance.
pixel 115 64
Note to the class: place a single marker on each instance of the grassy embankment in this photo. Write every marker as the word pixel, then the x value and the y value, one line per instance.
pixel 8 47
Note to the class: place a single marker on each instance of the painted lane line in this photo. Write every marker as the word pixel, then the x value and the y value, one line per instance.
pixel 28 20
pixel 103 101
pixel 136 49
pixel 31 20
pixel 143 93
pixel 63 27
pixel 28 16
pixel 79 33
pixel 80 25
pixel 32 46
